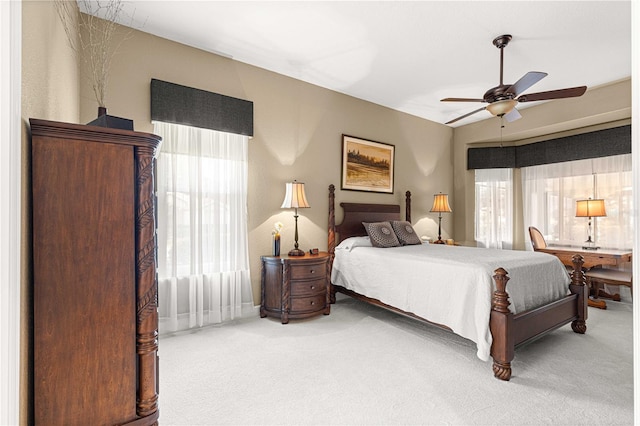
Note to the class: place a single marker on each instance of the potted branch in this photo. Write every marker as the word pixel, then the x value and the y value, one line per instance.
pixel 91 27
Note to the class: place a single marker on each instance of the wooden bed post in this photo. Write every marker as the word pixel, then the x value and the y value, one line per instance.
pixel 578 286
pixel 407 212
pixel 331 243
pixel 501 323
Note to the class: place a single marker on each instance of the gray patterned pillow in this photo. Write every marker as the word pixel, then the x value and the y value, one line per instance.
pixel 381 234
pixel 405 232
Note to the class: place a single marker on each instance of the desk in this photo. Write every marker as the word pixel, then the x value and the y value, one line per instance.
pixel 592 258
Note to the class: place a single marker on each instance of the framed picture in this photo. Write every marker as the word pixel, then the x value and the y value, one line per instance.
pixel 367 165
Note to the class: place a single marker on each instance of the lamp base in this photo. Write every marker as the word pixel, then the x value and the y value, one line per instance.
pixel 296 252
pixel 439 241
pixel 590 248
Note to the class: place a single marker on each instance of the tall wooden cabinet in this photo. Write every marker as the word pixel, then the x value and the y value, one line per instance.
pixel 95 321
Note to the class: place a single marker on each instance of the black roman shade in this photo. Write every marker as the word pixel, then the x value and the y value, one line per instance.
pixel 173 103
pixel 602 143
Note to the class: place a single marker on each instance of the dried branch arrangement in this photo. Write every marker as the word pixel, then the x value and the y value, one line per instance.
pixel 91 35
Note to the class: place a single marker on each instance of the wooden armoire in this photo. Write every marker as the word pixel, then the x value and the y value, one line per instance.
pixel 95 319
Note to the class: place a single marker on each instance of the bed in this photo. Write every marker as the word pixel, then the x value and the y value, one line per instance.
pixel 470 283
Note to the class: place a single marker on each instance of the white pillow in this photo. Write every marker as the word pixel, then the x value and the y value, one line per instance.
pixel 353 242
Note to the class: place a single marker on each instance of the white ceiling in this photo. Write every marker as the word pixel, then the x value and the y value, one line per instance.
pixel 407 55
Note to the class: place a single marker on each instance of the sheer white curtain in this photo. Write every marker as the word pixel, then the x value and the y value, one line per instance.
pixel 203 260
pixel 550 192
pixel 494 208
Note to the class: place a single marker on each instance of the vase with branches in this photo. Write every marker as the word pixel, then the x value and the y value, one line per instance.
pixel 92 29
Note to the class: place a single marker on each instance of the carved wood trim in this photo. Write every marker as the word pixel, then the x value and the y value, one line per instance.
pixel 286 292
pixel 578 286
pixel 263 270
pixel 331 246
pixel 147 285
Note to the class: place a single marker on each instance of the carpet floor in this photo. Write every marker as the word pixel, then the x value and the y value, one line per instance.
pixel 363 365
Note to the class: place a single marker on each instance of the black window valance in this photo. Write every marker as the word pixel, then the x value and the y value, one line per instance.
pixel 173 103
pixel 601 143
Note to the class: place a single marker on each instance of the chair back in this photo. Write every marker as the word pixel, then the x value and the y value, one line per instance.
pixel 537 240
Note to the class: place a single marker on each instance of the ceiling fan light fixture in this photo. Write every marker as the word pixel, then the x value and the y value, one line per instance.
pixel 500 108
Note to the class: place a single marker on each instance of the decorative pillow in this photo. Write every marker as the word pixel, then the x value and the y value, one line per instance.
pixel 353 242
pixel 381 234
pixel 405 232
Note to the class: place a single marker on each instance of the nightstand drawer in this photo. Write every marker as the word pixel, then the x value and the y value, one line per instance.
pixel 306 271
pixel 308 304
pixel 309 288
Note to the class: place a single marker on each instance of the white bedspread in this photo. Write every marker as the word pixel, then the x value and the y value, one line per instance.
pixel 450 285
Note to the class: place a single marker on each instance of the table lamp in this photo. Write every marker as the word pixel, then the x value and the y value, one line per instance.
pixel 295 198
pixel 590 209
pixel 440 205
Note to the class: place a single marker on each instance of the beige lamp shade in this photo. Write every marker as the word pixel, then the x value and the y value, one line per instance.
pixel 590 208
pixel 295 196
pixel 441 203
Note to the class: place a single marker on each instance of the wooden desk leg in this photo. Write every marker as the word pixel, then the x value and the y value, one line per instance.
pixel 615 297
pixel 594 302
pixel 597 303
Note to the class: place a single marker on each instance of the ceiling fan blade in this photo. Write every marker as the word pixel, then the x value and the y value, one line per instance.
pixel 466 115
pixel 526 81
pixel 512 115
pixel 461 100
pixel 571 92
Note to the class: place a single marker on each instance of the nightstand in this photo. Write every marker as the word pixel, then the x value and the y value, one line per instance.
pixel 295 286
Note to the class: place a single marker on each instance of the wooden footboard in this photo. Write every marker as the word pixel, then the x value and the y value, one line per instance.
pixel 508 330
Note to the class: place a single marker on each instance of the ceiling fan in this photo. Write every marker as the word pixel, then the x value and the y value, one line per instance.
pixel 503 98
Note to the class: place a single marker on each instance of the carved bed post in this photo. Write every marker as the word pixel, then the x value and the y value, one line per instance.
pixel 407 211
pixel 578 286
pixel 501 324
pixel 331 243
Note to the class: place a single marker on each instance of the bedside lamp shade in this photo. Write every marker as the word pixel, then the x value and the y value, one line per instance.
pixel 295 198
pixel 440 205
pixel 590 208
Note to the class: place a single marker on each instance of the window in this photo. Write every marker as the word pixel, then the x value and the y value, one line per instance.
pixel 203 266
pixel 550 193
pixel 494 208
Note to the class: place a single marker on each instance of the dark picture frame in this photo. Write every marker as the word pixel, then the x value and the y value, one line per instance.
pixel 367 165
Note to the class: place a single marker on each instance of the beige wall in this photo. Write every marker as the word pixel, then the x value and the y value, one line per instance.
pixel 298 131
pixel 50 72
pixel 599 108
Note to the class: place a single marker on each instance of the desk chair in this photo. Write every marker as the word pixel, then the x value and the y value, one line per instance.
pixel 538 242
pixel 537 239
